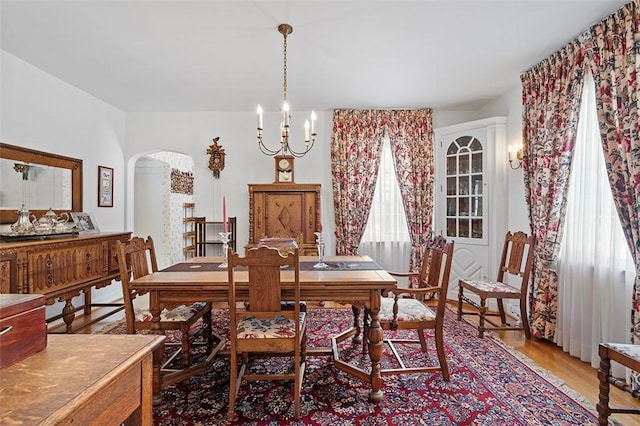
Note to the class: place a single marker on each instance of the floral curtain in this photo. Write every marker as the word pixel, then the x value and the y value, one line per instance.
pixel 551 93
pixel 411 137
pixel 356 144
pixel 614 56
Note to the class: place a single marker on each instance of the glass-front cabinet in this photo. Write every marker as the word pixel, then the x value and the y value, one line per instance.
pixel 471 194
pixel 464 194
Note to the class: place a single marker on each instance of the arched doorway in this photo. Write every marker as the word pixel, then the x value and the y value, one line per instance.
pixel 158 205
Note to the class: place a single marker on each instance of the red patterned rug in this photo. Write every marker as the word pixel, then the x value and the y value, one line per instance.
pixel 490 385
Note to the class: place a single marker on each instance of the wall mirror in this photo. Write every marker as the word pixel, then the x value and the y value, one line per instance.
pixel 39 181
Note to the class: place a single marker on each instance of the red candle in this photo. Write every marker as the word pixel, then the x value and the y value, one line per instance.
pixel 224 214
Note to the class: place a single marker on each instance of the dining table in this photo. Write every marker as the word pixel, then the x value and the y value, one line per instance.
pixel 355 280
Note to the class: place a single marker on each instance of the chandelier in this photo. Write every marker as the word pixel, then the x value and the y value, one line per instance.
pixel 309 127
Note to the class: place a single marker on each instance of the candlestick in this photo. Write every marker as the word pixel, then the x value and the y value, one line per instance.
pixel 224 214
pixel 320 242
pixel 224 236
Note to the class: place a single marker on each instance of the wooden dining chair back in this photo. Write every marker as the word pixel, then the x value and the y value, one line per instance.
pixel 137 258
pixel 265 326
pixel 512 282
pixel 408 310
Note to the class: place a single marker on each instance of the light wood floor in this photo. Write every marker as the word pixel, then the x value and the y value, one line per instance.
pixel 578 375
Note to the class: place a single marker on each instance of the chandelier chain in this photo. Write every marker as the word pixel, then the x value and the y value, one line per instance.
pixel 284 67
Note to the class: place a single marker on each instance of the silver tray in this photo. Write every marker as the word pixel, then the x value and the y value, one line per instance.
pixel 12 236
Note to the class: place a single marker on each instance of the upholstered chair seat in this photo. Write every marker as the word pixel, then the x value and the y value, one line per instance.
pixel 409 309
pixel 272 328
pixel 179 313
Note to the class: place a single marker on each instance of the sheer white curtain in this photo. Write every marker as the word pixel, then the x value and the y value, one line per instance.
pixel 386 238
pixel 596 271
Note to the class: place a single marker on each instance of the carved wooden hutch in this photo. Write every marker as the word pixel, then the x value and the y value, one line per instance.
pixel 280 210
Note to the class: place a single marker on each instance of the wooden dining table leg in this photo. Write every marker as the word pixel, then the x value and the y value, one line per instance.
pixel 357 337
pixel 376 346
pixel 158 355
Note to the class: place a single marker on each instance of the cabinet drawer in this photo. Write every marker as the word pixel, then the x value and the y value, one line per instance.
pixel 64 267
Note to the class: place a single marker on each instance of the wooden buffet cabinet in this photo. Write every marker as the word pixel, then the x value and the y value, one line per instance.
pixel 60 268
pixel 285 210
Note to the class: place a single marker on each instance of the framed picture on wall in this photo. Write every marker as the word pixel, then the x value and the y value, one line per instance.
pixel 85 223
pixel 105 186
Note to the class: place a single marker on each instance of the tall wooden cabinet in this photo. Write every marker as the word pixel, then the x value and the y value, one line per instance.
pixel 285 210
pixel 471 196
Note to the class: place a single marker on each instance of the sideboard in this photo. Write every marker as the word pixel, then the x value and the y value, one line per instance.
pixel 60 268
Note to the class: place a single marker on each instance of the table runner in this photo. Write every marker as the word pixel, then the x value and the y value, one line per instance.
pixel 306 265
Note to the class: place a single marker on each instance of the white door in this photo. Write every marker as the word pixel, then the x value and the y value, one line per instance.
pixel 470 204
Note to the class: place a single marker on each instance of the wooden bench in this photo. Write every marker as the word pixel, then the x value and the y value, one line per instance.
pixel 626 355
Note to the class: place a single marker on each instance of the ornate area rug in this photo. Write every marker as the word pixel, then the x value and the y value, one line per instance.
pixel 490 385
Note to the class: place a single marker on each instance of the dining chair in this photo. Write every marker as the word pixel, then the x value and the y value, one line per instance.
pixel 407 309
pixel 515 265
pixel 137 258
pixel 265 327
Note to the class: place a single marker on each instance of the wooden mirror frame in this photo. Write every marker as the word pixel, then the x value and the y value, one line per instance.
pixel 27 155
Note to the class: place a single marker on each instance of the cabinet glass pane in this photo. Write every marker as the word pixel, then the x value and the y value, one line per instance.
pixel 451 186
pixel 476 228
pixel 463 228
pixel 463 206
pixel 452 168
pixel 476 184
pixel 476 162
pixel 451 228
pixel 464 141
pixel 476 145
pixel 476 206
pixel 463 185
pixel 464 164
pixel 451 207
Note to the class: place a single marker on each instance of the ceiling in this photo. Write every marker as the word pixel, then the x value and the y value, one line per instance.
pixel 227 56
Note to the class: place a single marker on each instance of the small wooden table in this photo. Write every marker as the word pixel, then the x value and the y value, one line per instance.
pixel 83 379
pixel 194 280
pixel 626 355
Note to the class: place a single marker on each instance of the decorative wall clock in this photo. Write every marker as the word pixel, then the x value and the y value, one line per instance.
pixel 216 157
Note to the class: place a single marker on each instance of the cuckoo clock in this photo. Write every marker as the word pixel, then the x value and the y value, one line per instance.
pixel 216 158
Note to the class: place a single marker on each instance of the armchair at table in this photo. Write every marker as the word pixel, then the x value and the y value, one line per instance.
pixel 407 310
pixel 137 258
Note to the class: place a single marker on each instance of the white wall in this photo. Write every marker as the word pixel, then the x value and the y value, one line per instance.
pixel 510 105
pixel 41 112
pixel 192 134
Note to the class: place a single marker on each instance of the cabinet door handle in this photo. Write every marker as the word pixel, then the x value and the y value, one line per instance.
pixel 6 329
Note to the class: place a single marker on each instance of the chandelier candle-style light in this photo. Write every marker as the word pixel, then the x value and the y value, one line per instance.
pixel 309 128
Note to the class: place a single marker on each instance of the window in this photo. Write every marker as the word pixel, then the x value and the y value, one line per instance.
pixel 596 271
pixel 386 237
